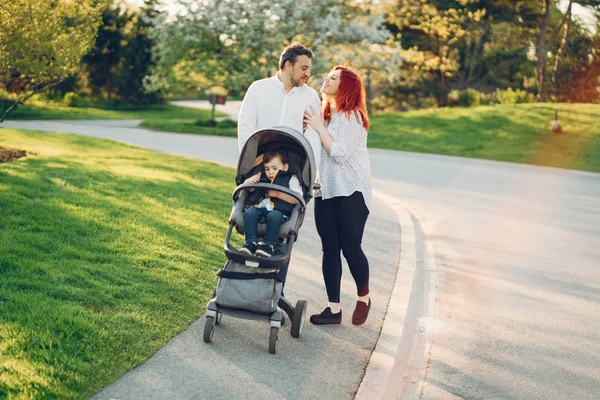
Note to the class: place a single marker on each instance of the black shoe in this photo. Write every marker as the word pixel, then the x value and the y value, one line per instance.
pixel 264 250
pixel 326 317
pixel 361 312
pixel 249 248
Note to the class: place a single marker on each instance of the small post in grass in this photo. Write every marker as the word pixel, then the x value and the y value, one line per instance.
pixel 216 95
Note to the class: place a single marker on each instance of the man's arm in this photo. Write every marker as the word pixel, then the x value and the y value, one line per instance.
pixel 248 116
pixel 311 135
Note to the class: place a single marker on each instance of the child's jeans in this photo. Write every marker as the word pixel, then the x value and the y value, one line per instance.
pixel 254 215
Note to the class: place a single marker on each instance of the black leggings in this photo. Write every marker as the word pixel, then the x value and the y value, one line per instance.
pixel 341 222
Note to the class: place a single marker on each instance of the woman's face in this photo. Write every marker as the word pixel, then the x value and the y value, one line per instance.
pixel 331 83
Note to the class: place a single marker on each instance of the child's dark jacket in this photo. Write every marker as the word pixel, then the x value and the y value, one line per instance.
pixel 282 179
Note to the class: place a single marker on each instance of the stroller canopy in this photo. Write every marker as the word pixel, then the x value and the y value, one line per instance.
pixel 301 159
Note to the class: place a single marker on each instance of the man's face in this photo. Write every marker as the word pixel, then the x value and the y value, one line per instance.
pixel 300 72
pixel 273 166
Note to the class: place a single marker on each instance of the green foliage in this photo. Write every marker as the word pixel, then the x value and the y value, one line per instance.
pixel 42 42
pixel 227 123
pixel 107 252
pixel 234 43
pixel 121 58
pixel 72 99
pixel 206 122
pixel 467 98
pixel 518 96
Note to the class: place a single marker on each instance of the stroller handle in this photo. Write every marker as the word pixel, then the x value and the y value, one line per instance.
pixel 269 186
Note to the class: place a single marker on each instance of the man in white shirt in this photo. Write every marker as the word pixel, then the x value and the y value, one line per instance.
pixel 282 99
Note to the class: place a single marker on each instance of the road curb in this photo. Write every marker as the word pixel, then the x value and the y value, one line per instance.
pixel 388 365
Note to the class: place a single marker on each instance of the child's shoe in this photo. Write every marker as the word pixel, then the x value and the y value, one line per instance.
pixel 249 248
pixel 264 250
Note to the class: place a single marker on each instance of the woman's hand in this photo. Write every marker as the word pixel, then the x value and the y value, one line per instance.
pixel 314 119
pixel 253 179
pixel 273 193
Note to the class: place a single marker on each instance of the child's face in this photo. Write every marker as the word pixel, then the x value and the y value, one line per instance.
pixel 273 166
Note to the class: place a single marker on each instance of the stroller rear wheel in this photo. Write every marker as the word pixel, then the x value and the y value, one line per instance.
pixel 209 329
pixel 273 338
pixel 299 317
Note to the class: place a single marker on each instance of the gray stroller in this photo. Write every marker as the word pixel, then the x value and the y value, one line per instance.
pixel 250 287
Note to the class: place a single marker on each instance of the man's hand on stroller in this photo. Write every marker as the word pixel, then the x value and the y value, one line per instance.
pixel 253 179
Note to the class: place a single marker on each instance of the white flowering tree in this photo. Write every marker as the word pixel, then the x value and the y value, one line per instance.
pixel 232 43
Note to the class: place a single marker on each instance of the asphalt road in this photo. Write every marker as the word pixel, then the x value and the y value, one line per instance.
pixel 517 289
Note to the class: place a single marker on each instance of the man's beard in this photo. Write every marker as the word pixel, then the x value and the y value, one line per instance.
pixel 296 83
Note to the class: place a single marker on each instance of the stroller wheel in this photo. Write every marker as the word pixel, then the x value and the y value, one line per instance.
pixel 273 338
pixel 299 317
pixel 209 329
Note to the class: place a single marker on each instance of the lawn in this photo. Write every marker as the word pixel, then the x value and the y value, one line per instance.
pixel 45 111
pixel 108 251
pixel 188 126
pixel 518 133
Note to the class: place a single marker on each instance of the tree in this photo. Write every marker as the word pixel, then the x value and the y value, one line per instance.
pixel 42 43
pixel 232 43
pixel 117 66
pixel 431 33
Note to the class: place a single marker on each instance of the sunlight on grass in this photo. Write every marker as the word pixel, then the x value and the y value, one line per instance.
pixel 519 133
pixel 108 251
pixel 42 111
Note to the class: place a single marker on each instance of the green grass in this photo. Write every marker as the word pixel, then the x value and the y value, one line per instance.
pixel 41 111
pixel 519 133
pixel 107 252
pixel 186 126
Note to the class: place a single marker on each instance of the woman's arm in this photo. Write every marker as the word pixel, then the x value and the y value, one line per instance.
pixel 316 121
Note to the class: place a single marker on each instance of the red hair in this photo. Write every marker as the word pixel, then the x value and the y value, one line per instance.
pixel 350 98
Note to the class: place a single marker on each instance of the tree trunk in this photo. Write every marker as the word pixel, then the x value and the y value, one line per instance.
pixel 562 49
pixel 541 50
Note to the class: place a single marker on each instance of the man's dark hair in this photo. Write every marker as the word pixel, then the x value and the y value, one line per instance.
pixel 292 52
pixel 271 154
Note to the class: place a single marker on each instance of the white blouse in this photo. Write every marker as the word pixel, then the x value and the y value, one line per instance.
pixel 346 169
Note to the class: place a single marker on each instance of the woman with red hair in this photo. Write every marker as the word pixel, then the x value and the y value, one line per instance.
pixel 342 206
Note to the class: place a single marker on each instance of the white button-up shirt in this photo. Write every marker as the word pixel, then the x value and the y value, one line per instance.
pixel 267 104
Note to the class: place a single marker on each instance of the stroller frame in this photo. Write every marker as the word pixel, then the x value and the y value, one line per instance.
pixel 288 232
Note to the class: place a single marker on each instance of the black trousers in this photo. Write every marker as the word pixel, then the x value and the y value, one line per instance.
pixel 341 223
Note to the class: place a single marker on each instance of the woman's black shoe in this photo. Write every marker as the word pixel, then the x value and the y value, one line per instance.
pixel 326 317
pixel 361 312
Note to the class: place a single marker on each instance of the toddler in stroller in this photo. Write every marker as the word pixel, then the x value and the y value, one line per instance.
pixel 271 206
pixel 250 286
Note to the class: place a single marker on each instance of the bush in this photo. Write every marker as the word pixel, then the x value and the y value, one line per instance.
pixel 467 98
pixel 72 99
pixel 206 122
pixel 510 96
pixel 227 123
